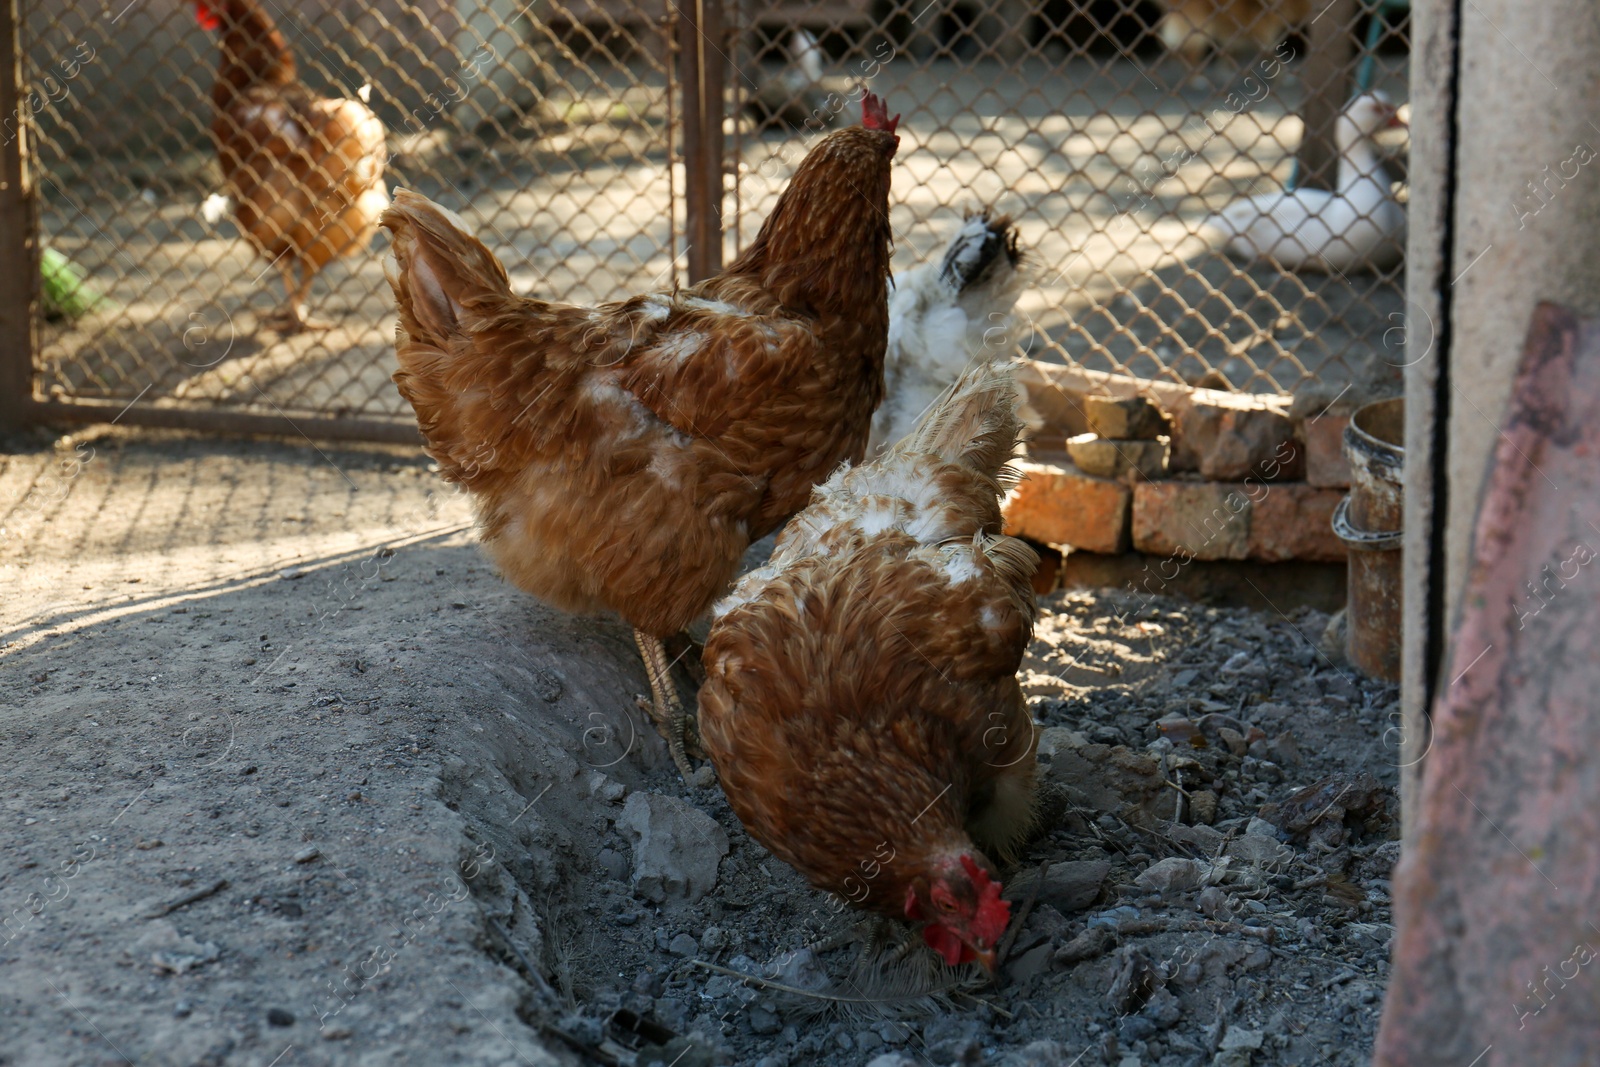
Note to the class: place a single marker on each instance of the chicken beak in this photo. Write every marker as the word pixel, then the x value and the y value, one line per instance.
pixel 987 960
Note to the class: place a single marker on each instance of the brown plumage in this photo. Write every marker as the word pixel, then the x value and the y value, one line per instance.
pixel 861 703
pixel 624 457
pixel 305 173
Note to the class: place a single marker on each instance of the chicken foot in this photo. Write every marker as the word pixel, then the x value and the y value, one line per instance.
pixel 877 936
pixel 670 716
pixel 291 317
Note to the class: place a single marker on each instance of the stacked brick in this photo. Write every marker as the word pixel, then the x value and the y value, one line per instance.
pixel 1163 469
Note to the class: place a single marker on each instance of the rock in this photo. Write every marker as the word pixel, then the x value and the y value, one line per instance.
pixel 1091 944
pixel 1037 1054
pixel 1163 1009
pixel 1110 778
pixel 953 1039
pixel 676 847
pixel 892 1059
pixel 1260 852
pixel 714 937
pixel 1030 964
pixel 866 1041
pixel 763 1021
pixel 1193 520
pixel 1326 466
pixel 1213 903
pixel 1133 417
pixel 1320 810
pixel 1069 886
pixel 1259 827
pixel 1232 739
pixel 279 1017
pixel 1171 875
pixel 171 951
pixel 704 777
pixel 1202 839
pixel 612 862
pixel 307 854
pixel 1135 979
pixel 683 945
pixel 1203 806
pixel 1239 1038
pixel 1106 457
pixel 1057 504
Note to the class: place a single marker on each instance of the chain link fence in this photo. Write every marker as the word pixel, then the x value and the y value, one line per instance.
pixel 572 137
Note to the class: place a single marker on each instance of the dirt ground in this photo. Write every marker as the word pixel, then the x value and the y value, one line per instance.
pixel 291 777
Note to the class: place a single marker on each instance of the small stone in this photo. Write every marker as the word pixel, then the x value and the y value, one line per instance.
pixel 1213 903
pixel 1203 806
pixel 1233 739
pixel 1038 1054
pixel 613 863
pixel 713 938
pixel 1174 874
pixel 1264 853
pixel 704 777
pixel 1069 886
pixel 683 945
pixel 307 854
pixel 676 847
pixel 1163 1009
pixel 289 574
pixel 279 1017
pixel 336 1032
pixel 1134 417
pixel 1239 1038
pixel 867 1041
pixel 764 1021
pixel 892 1059
pixel 1025 967
pixel 648 984
pixel 1106 457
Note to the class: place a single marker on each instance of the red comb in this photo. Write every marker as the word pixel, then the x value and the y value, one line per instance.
pixel 994 914
pixel 208 19
pixel 875 114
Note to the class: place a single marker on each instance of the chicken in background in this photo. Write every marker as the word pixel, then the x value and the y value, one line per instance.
pixel 796 94
pixel 861 704
pixel 304 173
pixel 1196 28
pixel 944 316
pixel 623 457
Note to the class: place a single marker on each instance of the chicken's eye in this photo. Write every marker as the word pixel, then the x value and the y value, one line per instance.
pixel 947 905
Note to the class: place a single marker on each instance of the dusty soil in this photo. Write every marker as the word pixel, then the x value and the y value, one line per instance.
pixel 291 777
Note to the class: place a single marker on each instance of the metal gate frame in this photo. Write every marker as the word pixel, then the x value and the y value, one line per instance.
pixel 692 31
pixel 697 37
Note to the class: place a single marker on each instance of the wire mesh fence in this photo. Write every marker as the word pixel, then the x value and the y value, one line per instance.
pixel 175 218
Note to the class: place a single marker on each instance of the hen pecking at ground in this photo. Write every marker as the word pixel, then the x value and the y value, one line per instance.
pixel 861 703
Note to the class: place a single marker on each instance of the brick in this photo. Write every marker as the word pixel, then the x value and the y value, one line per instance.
pixel 1115 459
pixel 1229 436
pixel 1200 520
pixel 1292 520
pixel 1326 466
pixel 1124 418
pixel 1060 505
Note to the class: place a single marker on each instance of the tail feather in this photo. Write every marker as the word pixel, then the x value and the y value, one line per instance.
pixel 974 423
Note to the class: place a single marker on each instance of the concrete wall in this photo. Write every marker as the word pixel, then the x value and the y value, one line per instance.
pixel 1521 184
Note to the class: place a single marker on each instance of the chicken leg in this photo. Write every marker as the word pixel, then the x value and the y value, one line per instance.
pixel 670 716
pixel 291 317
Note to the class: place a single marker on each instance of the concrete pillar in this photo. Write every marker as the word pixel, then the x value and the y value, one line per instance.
pixel 1505 212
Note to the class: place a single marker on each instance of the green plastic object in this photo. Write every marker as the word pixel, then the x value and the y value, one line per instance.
pixel 66 290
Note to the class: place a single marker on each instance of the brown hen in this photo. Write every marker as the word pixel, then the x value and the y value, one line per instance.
pixel 861 703
pixel 305 173
pixel 623 457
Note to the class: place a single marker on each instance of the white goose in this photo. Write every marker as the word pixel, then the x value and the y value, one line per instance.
pixel 1359 224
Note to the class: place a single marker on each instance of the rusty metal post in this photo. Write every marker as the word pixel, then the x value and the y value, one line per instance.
pixel 703 70
pixel 19 263
pixel 1326 81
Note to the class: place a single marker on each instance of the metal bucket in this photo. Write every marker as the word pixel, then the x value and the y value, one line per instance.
pixel 1368 521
